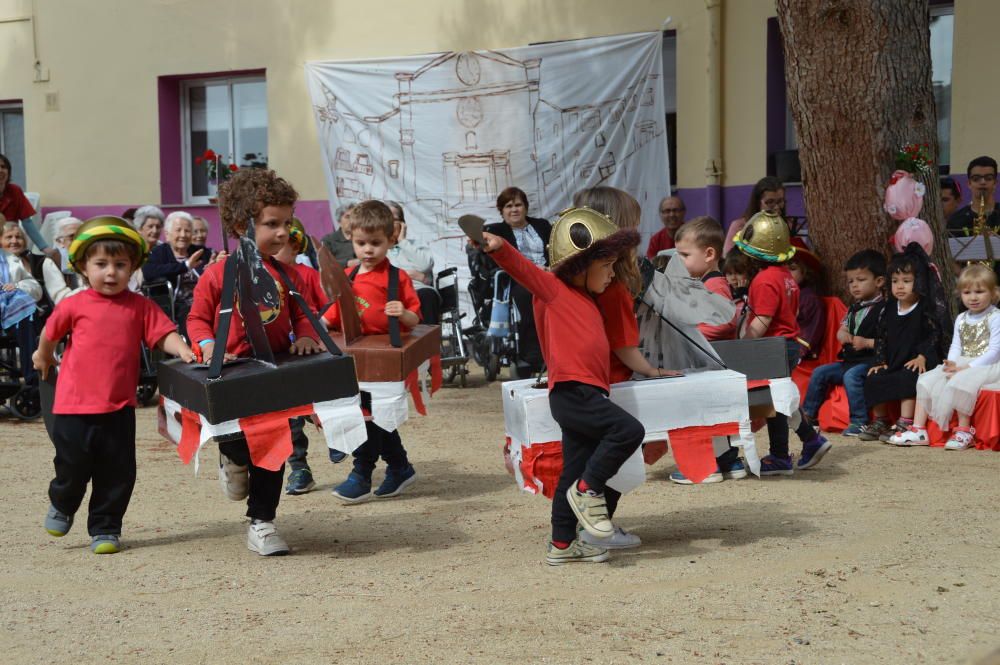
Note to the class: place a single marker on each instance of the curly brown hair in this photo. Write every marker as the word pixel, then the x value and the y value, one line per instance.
pixel 249 191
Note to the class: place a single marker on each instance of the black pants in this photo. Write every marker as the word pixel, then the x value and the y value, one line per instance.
pixel 529 349
pixel 387 445
pixel 430 305
pixel 265 486
pixel 300 444
pixel 777 425
pixel 597 437
pixel 100 449
pixel 26 345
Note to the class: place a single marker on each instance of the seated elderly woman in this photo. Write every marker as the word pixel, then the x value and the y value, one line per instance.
pixel 149 222
pixel 43 269
pixel 179 262
pixel 62 236
pixel 19 296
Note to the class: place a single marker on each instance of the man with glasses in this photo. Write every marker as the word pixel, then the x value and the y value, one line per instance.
pixel 982 173
pixel 672 211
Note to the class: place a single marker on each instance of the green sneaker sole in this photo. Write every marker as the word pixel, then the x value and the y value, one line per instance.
pixel 106 548
pixel 57 534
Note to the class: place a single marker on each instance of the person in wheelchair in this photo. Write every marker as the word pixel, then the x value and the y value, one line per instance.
pixel 179 262
pixel 19 297
pixel 416 260
pixel 529 236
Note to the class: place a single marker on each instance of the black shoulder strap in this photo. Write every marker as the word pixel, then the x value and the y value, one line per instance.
pixel 711 275
pixel 226 304
pixel 394 335
pixel 320 329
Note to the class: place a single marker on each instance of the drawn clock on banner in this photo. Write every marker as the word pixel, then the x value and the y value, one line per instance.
pixel 467 69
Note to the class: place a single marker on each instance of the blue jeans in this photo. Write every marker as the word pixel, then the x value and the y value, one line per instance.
pixel 825 377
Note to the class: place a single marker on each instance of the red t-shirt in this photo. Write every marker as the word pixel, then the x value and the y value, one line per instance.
pixel 569 324
pixel 100 368
pixel 371 293
pixel 204 317
pixel 620 326
pixel 718 284
pixel 14 205
pixel 660 241
pixel 312 289
pixel 774 293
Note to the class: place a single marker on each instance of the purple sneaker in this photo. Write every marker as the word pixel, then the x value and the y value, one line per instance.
pixel 773 465
pixel 813 451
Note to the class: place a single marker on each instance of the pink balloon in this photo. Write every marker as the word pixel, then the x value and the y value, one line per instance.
pixel 914 230
pixel 904 197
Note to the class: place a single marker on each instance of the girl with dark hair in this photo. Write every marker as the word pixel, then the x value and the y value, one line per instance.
pixel 767 195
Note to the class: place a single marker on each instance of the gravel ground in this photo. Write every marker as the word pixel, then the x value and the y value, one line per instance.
pixel 879 555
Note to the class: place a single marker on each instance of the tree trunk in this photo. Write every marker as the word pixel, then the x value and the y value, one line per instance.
pixel 859 86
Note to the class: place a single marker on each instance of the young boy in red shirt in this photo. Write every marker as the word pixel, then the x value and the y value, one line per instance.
pixel 372 230
pixel 699 245
pixel 773 306
pixel 93 426
pixel 260 195
pixel 597 435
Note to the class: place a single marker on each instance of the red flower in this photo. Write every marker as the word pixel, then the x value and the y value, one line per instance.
pixel 210 155
pixel 199 160
pixel 234 168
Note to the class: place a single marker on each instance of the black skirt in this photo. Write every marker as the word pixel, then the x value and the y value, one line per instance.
pixel 890 386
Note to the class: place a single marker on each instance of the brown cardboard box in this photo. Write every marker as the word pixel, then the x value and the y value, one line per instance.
pixel 377 360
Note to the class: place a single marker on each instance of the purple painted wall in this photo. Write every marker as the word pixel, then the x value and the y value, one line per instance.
pixel 734 200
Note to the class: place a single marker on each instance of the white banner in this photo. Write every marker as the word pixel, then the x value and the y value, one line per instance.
pixel 445 134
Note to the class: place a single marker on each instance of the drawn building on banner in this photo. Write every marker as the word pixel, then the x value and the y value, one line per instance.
pixel 467 125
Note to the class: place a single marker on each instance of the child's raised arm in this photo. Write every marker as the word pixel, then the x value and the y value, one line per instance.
pixel 542 284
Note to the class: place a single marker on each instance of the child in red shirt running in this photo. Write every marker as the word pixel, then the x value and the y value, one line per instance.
pixel 617 305
pixel 772 307
pixel 300 480
pixel 372 230
pixel 597 435
pixel 699 246
pixel 257 194
pixel 93 426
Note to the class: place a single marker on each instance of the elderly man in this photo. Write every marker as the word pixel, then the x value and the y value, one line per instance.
pixel 672 211
pixel 339 241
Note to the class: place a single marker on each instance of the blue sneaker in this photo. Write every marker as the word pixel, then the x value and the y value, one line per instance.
pixel 396 481
pixel 337 456
pixel 852 431
pixel 736 471
pixel 813 451
pixel 56 523
pixel 355 489
pixel 679 478
pixel 300 481
pixel 776 466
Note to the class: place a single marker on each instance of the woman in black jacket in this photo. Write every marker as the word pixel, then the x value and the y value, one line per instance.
pixel 530 236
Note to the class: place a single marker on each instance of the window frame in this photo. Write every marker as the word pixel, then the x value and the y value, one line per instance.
pixel 14 105
pixel 187 158
pixel 945 8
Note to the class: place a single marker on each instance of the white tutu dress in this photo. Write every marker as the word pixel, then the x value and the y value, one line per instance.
pixel 975 345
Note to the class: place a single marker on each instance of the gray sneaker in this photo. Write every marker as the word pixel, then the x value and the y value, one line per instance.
pixel 873 431
pixel 108 543
pixel 56 523
pixel 592 510
pixel 577 552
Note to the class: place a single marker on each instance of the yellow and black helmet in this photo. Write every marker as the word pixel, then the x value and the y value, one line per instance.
pixel 765 237
pixel 105 227
pixel 299 235
pixel 582 235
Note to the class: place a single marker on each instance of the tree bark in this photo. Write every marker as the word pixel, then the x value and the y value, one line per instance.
pixel 859 86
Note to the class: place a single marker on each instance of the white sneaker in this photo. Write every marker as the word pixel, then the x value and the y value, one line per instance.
pixel 263 539
pixel 620 540
pixel 960 440
pixel 591 509
pixel 913 436
pixel 234 479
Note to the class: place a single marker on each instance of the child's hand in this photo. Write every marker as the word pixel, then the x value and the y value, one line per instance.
pixel 42 362
pixel 668 372
pixel 491 243
pixel 859 343
pixel 876 369
pixel 918 365
pixel 394 308
pixel 305 346
pixel 206 354
pixel 219 256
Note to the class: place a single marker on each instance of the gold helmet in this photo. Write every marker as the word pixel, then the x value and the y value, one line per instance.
pixel 105 227
pixel 765 237
pixel 581 235
pixel 299 235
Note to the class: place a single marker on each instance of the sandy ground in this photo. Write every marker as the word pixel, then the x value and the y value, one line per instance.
pixel 880 555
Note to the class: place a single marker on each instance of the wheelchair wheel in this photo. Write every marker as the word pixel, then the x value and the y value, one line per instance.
pixel 26 403
pixel 146 394
pixel 492 367
pixel 453 371
pixel 463 371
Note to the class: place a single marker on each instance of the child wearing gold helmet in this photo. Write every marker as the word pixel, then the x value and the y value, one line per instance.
pixel 597 435
pixel 772 311
pixel 93 426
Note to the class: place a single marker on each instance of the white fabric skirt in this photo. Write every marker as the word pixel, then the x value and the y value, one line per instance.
pixel 941 396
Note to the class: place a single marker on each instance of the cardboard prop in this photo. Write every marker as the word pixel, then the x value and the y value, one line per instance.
pixel 377 358
pixel 264 383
